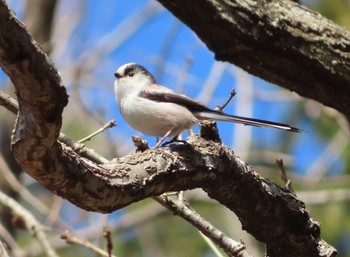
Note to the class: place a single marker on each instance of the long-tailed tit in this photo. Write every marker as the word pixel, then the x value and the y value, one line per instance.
pixel 158 111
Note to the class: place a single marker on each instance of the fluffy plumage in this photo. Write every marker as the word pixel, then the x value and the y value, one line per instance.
pixel 156 110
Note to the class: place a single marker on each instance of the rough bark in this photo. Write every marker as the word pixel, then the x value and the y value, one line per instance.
pixel 38 16
pixel 280 41
pixel 269 212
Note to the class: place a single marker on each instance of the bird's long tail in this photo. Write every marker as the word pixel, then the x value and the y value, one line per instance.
pixel 220 116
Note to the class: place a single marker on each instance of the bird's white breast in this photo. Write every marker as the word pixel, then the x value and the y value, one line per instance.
pixel 151 117
pixel 155 118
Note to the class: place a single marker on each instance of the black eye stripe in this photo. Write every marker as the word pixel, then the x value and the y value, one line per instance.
pixel 129 70
pixel 134 69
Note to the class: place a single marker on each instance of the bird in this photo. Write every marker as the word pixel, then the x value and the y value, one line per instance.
pixel 156 110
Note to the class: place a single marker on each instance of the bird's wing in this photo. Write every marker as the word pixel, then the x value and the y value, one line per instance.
pixel 201 112
pixel 169 96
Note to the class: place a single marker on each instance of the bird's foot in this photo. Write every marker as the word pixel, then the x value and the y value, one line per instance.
pixel 174 140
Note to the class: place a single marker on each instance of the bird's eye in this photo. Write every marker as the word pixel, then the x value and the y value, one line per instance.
pixel 130 74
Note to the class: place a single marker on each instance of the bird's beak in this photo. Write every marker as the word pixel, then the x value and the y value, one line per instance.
pixel 117 75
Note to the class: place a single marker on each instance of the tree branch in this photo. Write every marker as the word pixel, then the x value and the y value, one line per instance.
pixel 181 207
pixel 269 212
pixel 12 105
pixel 3 251
pixel 38 17
pixel 31 224
pixel 280 41
pixel 71 239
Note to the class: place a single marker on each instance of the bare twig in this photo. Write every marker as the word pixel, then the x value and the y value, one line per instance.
pixel 284 177
pixel 82 149
pixel 109 124
pixel 22 191
pixel 141 144
pixel 71 239
pixel 3 252
pixel 211 244
pixel 8 102
pixel 232 94
pixel 279 163
pixel 11 242
pixel 107 234
pixel 55 208
pixel 31 224
pixel 12 181
pixel 129 220
pixel 180 208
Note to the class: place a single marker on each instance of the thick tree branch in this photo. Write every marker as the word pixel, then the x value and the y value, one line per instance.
pixel 231 247
pixel 269 212
pixel 279 41
pixel 38 16
pixel 33 75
